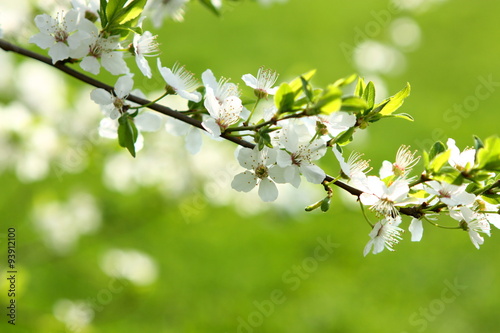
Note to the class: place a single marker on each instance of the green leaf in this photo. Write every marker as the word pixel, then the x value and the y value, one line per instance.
pixel 488 157
pixel 369 95
pixel 360 87
pixel 330 101
pixel 132 11
pixel 345 81
pixel 208 4
pixel 307 89
pixel 325 204
pixel 393 103
pixel 405 116
pixel 127 133
pixel 439 161
pixel 284 98
pixel 113 9
pixel 346 137
pixel 354 103
pixel 102 12
pixel 296 85
pixel 436 149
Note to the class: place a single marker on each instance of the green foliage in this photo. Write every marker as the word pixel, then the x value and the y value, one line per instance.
pixel 118 19
pixel 127 133
pixel 488 157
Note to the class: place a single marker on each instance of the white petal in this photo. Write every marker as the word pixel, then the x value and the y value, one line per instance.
pixel 101 96
pixel 59 51
pixel 148 122
pixel 123 86
pixel 108 128
pixel 267 190
pixel 212 127
pixel 292 175
pixel 194 96
pixel 91 65
pixel 398 190
pixel 416 230
pixel 244 182
pixel 45 23
pixel 71 20
pixel 42 40
pixel 245 158
pixel 143 65
pixel 208 79
pixel 476 239
pixel 193 140
pixel 283 158
pixel 211 103
pixel 386 170
pixel 313 173
pixel 250 80
pixel 368 199
pixel 114 63
pixel 277 174
pixel 368 247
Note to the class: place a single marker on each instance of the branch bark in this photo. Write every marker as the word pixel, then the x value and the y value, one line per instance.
pixel 9 47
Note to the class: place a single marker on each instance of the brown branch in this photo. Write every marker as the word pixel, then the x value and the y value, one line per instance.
pixel 6 46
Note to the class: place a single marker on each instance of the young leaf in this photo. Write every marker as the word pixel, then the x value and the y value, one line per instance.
pixel 307 89
pixel 439 161
pixel 354 103
pixel 127 133
pixel 208 4
pixel 330 101
pixel 488 157
pixel 360 87
pixel 284 98
pixel 369 95
pixel 393 103
pixel 436 149
pixel 296 85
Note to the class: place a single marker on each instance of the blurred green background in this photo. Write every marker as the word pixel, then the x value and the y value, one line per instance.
pixel 107 243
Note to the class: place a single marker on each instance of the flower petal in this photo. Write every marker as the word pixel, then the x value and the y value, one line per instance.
pixel 148 122
pixel 123 86
pixel 267 190
pixel 416 230
pixel 101 96
pixel 250 80
pixel 313 173
pixel 244 182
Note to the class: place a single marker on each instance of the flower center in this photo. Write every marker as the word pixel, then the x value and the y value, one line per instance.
pixel 262 172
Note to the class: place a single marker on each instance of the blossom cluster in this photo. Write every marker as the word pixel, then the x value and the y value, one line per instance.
pixel 427 196
pixel 283 131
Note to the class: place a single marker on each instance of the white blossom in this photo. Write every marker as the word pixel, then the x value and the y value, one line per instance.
pixel 144 45
pixel 461 161
pixel 384 199
pixel 405 161
pixel 298 157
pixel 113 105
pixel 451 195
pixel 354 167
pixel 181 81
pixel 261 170
pixel 476 224
pixel 97 51
pixel 384 235
pixel 222 89
pixel 162 9
pixel 222 115
pixel 336 122
pixel 416 229
pixel 263 83
pixel 59 35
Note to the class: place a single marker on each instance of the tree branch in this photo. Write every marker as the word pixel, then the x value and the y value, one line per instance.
pixel 6 46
